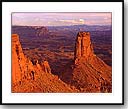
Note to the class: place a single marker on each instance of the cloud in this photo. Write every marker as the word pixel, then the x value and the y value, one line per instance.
pixel 58 19
pixel 98 22
pixel 78 21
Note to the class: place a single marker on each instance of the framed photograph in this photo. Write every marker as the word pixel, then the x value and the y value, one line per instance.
pixel 63 52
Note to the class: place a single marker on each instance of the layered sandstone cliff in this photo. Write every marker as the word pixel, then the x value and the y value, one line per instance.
pixel 27 77
pixel 21 66
pixel 90 73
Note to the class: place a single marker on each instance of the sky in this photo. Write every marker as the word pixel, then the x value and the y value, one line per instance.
pixel 60 19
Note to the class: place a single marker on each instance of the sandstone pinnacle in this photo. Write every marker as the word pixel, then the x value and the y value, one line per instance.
pixel 83 46
pixel 90 73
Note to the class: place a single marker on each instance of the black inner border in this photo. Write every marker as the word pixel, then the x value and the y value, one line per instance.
pixel 122 1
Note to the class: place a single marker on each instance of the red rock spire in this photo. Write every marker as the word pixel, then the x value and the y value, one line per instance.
pixel 83 46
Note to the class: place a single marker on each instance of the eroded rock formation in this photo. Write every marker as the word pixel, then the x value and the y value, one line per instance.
pixel 29 77
pixel 83 46
pixel 41 31
pixel 90 73
pixel 20 64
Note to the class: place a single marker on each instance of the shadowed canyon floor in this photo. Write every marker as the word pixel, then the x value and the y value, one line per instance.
pixel 81 70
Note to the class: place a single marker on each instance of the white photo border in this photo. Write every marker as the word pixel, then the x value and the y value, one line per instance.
pixel 87 98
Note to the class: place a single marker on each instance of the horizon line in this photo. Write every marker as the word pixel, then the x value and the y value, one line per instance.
pixel 63 25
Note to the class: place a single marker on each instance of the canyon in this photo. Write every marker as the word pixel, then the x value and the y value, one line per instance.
pixel 29 77
pixel 84 71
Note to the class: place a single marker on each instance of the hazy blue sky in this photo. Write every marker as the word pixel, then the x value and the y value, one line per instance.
pixel 60 19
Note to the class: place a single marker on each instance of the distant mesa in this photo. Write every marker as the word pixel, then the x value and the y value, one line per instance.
pixel 41 31
pixel 31 31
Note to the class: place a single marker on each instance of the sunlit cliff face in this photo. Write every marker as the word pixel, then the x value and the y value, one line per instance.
pixel 83 47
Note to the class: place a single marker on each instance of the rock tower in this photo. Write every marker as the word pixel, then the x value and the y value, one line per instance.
pixel 83 46
pixel 90 73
